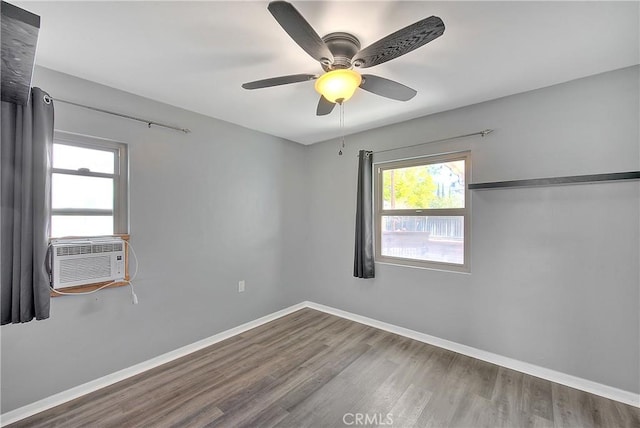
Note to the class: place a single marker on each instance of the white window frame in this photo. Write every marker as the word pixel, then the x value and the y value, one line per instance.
pixel 465 212
pixel 120 178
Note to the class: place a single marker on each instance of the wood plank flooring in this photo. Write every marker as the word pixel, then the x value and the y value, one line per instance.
pixel 312 369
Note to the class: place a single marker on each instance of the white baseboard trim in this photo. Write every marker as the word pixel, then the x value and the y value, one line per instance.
pixel 94 385
pixel 510 363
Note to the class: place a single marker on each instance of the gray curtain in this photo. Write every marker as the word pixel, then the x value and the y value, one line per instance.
pixel 25 197
pixel 363 265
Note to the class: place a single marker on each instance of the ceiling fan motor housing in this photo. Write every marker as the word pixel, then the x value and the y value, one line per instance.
pixel 344 47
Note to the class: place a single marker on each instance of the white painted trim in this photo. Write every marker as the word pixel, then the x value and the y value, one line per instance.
pixel 531 369
pixel 94 385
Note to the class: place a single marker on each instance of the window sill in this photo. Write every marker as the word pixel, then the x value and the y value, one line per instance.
pixel 444 268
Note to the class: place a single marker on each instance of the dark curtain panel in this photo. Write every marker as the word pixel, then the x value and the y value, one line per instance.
pixel 25 197
pixel 363 266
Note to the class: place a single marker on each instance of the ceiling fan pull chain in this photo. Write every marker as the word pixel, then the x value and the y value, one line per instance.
pixel 341 126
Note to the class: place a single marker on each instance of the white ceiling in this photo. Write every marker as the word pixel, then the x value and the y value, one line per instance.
pixel 195 55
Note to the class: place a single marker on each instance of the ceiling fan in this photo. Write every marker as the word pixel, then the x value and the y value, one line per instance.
pixel 338 53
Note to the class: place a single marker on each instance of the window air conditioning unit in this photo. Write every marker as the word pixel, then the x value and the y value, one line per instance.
pixel 87 261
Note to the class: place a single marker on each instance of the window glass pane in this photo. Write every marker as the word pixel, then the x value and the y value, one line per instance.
pixel 438 185
pixel 72 225
pixel 74 191
pixel 74 158
pixel 429 238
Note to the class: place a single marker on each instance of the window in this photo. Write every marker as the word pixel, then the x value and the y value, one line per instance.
pixel 89 189
pixel 422 212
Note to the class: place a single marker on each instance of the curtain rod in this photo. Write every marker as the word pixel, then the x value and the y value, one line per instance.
pixel 126 116
pixel 482 133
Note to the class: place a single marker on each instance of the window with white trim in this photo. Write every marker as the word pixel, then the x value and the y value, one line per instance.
pixel 89 186
pixel 422 212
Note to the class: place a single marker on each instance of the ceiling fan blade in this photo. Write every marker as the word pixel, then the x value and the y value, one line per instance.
pixel 300 31
pixel 324 107
pixel 387 88
pixel 277 81
pixel 401 42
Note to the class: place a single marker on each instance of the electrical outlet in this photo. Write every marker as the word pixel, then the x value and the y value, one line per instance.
pixel 241 286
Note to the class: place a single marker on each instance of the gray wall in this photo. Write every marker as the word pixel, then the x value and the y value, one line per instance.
pixel 555 270
pixel 207 209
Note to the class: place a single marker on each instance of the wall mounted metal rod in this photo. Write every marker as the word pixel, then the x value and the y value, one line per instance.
pixel 552 181
pixel 126 116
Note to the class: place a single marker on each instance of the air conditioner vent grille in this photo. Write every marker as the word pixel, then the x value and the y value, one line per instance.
pixel 89 268
pixel 106 248
pixel 73 250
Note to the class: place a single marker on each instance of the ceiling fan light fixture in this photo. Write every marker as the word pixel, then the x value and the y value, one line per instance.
pixel 338 85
